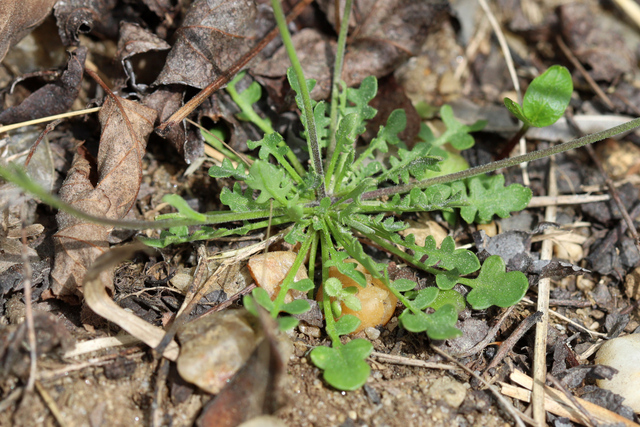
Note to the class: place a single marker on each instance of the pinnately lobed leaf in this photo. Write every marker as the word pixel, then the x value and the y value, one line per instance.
pixel 488 197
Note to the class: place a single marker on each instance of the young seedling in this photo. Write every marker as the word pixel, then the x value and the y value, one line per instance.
pixel 359 197
pixel 544 102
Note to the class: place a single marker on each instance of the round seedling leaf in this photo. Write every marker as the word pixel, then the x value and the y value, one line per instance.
pixel 425 297
pixel 287 323
pixel 303 285
pixel 441 324
pixel 413 322
pixel 298 306
pixel 347 324
pixel 548 96
pixel 262 297
pixel 344 367
pixel 403 285
pixel 494 286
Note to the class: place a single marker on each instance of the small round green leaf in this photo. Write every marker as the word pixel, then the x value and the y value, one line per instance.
pixel 344 366
pixel 451 297
pixel 494 286
pixel 287 323
pixel 347 324
pixel 298 306
pixel 262 297
pixel 548 96
pixel 403 285
pixel 303 285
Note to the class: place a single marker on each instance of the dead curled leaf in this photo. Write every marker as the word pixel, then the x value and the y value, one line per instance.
pixel 100 302
pixel 214 34
pixel 18 18
pixel 53 98
pixel 84 16
pixel 126 126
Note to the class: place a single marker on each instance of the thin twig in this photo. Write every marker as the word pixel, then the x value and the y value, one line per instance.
pixel 540 349
pixel 227 74
pixel 51 404
pixel 48 119
pixel 517 415
pixel 26 285
pixel 572 398
pixel 553 313
pixel 156 406
pixel 400 360
pixel 48 128
pixel 490 336
pixel 573 199
pixel 508 344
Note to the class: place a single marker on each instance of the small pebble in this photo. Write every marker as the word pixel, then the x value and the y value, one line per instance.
pixel 312 331
pixel 372 333
pixel 623 354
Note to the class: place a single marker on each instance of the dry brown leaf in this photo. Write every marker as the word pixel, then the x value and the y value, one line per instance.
pixel 214 34
pixel 18 18
pixel 135 40
pixel 126 126
pixel 83 16
pixel 166 100
pixel 52 98
pixel 386 34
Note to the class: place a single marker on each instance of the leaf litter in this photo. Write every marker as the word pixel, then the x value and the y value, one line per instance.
pixel 390 386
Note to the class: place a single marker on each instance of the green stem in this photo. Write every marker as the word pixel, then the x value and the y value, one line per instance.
pixel 312 261
pixel 330 323
pixel 337 73
pixel 400 254
pixel 288 280
pixel 490 167
pixel 312 134
pixel 16 175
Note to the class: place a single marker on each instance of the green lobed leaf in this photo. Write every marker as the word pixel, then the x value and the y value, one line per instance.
pixel 447 256
pixel 424 297
pixel 226 170
pixel 438 326
pixel 360 98
pixel 239 201
pixel 488 197
pixel 269 145
pixel 344 367
pixel 494 286
pixel 346 268
pixel 271 181
pixel 457 134
pixel 548 96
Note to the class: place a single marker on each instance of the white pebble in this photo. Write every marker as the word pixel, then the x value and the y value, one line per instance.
pixel 623 354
